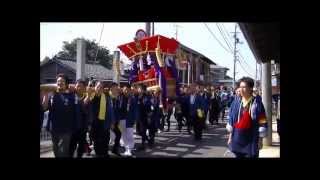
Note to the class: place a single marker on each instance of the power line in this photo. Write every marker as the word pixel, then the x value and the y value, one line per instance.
pixel 227 35
pixel 236 41
pixel 223 36
pixel 225 29
pixel 246 72
pixel 99 43
pixel 224 33
pixel 243 59
pixel 216 38
pixel 245 62
pixel 222 30
pixel 244 69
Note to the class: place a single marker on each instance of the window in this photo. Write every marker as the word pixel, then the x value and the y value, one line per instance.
pixel 202 68
pixel 180 75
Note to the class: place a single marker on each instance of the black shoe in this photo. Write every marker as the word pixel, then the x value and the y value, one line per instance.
pixel 198 139
pixel 80 156
pixel 167 130
pixel 116 152
pixel 141 148
pixel 151 144
pixel 102 156
pixel 122 148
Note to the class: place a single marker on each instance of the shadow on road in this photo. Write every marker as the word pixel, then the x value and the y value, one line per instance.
pixel 176 144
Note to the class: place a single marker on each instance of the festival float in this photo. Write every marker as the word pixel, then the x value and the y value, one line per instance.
pixel 155 63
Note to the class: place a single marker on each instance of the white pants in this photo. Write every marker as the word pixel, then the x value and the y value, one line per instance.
pixel 128 139
pixel 122 126
pixel 112 137
pixel 127 135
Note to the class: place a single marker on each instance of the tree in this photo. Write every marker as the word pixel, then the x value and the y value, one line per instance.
pixel 69 51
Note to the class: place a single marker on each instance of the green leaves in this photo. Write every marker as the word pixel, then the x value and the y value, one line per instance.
pixel 93 52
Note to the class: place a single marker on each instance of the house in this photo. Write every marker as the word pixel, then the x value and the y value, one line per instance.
pixel 199 67
pixel 220 77
pixel 49 68
pixel 226 82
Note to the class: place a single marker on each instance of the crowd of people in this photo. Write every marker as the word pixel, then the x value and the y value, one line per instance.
pixel 99 112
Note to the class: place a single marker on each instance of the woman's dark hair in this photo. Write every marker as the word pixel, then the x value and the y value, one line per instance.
pixel 65 77
pixel 127 86
pixel 81 81
pixel 143 87
pixel 114 84
pixel 249 81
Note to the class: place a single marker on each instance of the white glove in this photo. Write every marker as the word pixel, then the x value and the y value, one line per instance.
pixel 229 128
pixel 262 132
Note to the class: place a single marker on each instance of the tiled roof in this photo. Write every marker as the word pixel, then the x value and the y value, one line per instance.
pixel 96 71
pixel 186 48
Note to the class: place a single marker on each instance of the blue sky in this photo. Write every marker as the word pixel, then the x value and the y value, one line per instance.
pixel 193 35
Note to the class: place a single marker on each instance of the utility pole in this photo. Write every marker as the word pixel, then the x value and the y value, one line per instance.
pixel 152 28
pixel 148 28
pixel 116 67
pixel 176 26
pixel 81 59
pixel 236 41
